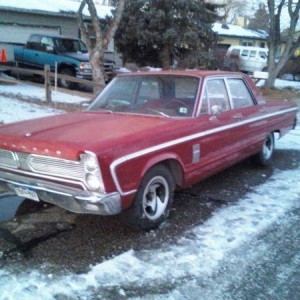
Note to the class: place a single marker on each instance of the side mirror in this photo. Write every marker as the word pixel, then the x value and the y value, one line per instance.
pixel 216 110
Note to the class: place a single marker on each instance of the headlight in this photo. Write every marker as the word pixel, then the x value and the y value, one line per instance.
pixel 93 177
pixel 93 181
pixel 85 66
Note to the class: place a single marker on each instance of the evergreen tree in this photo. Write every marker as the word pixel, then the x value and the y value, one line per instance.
pixel 152 32
pixel 261 19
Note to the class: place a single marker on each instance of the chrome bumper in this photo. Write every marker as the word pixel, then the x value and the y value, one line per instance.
pixel 69 198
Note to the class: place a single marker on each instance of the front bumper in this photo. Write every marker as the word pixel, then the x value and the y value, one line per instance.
pixel 86 76
pixel 69 198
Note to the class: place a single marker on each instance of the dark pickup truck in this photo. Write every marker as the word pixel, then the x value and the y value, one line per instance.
pixel 70 54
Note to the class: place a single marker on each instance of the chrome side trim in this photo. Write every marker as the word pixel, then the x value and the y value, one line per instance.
pixel 149 150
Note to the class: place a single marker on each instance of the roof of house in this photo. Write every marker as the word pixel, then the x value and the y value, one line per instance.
pixel 238 31
pixel 60 7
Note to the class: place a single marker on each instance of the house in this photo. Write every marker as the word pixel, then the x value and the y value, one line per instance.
pixel 19 19
pixel 234 35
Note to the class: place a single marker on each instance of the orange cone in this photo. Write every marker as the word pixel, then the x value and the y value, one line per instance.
pixel 3 58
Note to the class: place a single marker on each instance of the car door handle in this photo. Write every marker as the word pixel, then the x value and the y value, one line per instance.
pixel 36 54
pixel 263 110
pixel 238 117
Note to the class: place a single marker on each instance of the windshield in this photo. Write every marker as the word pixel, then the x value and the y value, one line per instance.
pixel 165 95
pixel 70 45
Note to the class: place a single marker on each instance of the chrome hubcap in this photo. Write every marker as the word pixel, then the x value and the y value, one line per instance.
pixel 156 197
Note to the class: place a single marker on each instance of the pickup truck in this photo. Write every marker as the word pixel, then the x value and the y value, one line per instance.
pixel 70 54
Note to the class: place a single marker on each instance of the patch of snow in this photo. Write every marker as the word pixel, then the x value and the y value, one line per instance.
pixel 61 6
pixel 34 92
pixel 235 30
pixel 12 110
pixel 290 141
pixel 123 70
pixel 282 84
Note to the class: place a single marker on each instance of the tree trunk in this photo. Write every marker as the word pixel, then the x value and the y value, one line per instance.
pixel 96 50
pixel 275 39
pixel 96 61
pixel 165 57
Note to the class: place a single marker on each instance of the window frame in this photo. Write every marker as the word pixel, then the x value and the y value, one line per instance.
pixel 225 78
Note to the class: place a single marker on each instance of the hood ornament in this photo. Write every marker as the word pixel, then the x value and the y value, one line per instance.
pixel 28 134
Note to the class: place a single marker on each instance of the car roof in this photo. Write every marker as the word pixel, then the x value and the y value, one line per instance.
pixel 197 73
pixel 248 48
pixel 54 36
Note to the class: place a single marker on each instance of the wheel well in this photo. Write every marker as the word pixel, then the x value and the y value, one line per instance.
pixel 176 170
pixel 64 66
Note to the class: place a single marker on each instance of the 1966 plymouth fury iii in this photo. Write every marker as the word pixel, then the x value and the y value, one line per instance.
pixel 144 136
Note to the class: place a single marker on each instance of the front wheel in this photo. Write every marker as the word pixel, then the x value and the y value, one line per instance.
pixel 153 200
pixel 264 157
pixel 66 83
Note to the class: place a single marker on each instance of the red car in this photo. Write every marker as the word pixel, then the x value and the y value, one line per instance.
pixel 146 135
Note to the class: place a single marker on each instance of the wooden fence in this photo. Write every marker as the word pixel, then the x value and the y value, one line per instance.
pixel 50 76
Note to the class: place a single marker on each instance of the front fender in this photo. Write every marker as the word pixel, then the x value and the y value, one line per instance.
pixel 128 174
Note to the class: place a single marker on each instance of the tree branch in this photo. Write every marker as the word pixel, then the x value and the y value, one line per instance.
pixel 115 23
pixel 96 24
pixel 84 31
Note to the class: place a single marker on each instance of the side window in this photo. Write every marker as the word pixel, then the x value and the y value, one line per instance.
pixel 235 53
pixel 240 94
pixel 252 53
pixel 34 42
pixel 204 103
pixel 245 52
pixel 263 55
pixel 217 94
pixel 149 89
pixel 47 43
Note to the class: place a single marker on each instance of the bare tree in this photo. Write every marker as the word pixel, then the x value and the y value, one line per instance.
pixel 97 48
pixel 275 36
pixel 233 9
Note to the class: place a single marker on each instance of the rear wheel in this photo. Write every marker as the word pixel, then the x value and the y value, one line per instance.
pixel 264 157
pixel 66 83
pixel 153 199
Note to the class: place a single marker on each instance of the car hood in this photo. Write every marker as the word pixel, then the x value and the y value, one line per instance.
pixel 68 135
pixel 83 57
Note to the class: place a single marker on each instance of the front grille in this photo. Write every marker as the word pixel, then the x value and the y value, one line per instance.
pixel 7 159
pixel 55 166
pixel 43 164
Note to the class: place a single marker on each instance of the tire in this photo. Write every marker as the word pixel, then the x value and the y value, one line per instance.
pixel 65 83
pixel 153 200
pixel 264 157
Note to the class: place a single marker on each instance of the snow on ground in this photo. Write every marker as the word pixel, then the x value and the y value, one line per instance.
pixel 282 84
pixel 34 92
pixel 12 110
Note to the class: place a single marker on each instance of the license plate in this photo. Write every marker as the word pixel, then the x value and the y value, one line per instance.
pixel 26 193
